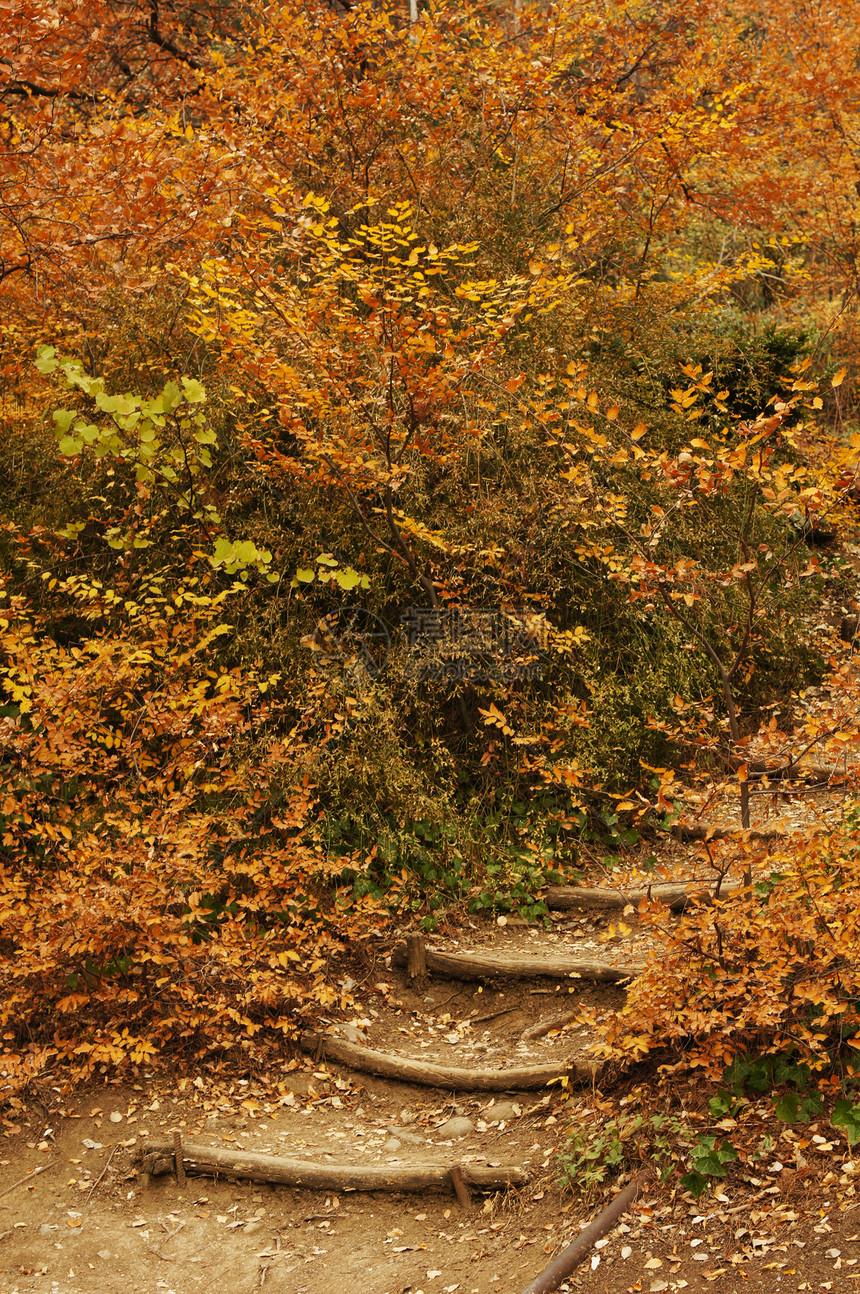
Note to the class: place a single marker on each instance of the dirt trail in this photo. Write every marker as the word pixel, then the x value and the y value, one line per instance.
pixel 69 1233
pixel 89 1222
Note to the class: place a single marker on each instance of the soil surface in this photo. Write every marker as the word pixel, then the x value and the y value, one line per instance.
pixel 76 1215
pixel 71 1230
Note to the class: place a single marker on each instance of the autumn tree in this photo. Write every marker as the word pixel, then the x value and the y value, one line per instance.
pixel 314 307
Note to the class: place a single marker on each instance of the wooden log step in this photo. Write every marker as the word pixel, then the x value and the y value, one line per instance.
pixel 686 833
pixel 674 894
pixel 778 772
pixel 483 965
pixel 157 1157
pixel 385 1064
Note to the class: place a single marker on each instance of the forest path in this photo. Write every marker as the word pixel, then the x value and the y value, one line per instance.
pixel 70 1230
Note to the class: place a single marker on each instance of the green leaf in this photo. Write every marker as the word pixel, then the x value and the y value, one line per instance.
pixel 195 393
pixel 787 1106
pixel 169 398
pixel 710 1164
pixel 75 375
pixel 205 437
pixel 248 552
pixel 759 1076
pixel 695 1183
pixel 721 1105
pixel 847 1116
pixel 63 419
pixel 303 576
pixel 347 579
pixel 69 446
pixel 46 361
pixel 788 1071
pixel 810 1107
pixel 326 559
pixel 113 403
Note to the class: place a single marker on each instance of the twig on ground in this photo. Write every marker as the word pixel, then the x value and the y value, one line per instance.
pixel 489 1015
pixel 28 1177
pixel 543 1027
pixel 102 1173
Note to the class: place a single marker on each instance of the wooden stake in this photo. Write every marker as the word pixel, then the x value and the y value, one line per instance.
pixel 416 958
pixel 177 1155
pixel 461 1190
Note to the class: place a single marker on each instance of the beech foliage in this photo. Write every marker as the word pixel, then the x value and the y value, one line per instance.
pixel 313 318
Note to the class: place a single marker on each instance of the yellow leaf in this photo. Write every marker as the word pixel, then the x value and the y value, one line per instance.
pixel 612 412
pixel 638 431
pixel 838 378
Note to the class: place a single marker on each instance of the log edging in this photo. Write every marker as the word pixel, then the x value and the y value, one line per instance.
pixel 367 1060
pixel 675 895
pixel 156 1156
pixel 481 965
